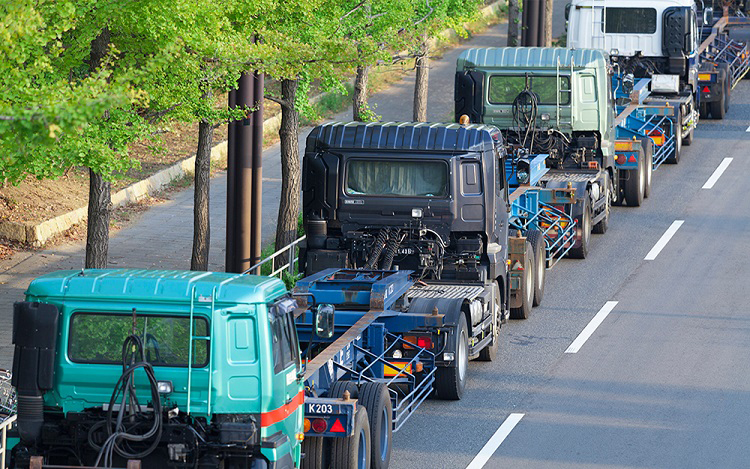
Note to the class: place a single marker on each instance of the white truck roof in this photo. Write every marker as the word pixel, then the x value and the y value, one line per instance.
pixel 587 31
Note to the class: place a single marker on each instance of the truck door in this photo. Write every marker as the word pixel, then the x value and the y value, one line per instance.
pixel 286 405
pixel 588 109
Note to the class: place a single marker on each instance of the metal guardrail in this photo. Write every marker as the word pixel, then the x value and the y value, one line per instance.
pixel 289 266
pixel 5 425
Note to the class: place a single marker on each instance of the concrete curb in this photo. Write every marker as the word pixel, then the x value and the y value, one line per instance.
pixel 37 235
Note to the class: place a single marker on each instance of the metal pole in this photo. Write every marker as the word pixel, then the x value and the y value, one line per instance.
pixel 231 171
pixel 257 172
pixel 541 24
pixel 533 28
pixel 242 179
pixel 524 23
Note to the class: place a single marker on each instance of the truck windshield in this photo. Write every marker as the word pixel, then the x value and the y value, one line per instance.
pixel 397 178
pixel 503 89
pixel 629 20
pixel 98 338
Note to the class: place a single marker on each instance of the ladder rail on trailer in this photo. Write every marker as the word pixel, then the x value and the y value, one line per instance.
pixel 346 357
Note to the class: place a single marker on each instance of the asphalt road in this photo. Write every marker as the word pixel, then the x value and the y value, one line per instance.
pixel 664 381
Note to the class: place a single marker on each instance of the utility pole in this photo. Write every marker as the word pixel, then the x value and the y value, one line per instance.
pixel 239 179
pixel 257 165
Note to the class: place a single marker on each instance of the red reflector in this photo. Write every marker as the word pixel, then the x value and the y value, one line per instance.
pixel 337 427
pixel 424 342
pixel 632 159
pixel 706 89
pixel 319 425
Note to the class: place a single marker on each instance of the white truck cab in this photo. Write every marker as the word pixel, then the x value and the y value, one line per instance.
pixel 651 28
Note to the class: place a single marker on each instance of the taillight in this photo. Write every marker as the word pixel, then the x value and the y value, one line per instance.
pixel 424 342
pixel 319 425
pixel 657 137
pixel 620 158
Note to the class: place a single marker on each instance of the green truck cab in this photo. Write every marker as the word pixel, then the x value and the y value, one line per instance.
pixel 172 368
pixel 559 103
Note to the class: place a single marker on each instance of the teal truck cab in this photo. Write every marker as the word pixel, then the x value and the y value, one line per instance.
pixel 170 368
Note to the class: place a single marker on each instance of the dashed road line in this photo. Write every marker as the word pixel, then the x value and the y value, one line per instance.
pixel 591 327
pixel 717 174
pixel 663 240
pixel 495 441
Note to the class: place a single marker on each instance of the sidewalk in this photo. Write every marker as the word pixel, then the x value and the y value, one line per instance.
pixel 162 237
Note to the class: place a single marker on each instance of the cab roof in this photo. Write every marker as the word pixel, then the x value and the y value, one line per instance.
pixel 530 57
pixel 403 136
pixel 155 285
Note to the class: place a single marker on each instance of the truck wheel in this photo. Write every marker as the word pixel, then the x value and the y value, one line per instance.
pixel 340 386
pixel 601 227
pixel 648 158
pixel 719 108
pixel 316 455
pixel 703 110
pixel 353 452
pixel 489 353
pixel 527 286
pixel 377 400
pixel 540 263
pixel 635 184
pixel 584 231
pixel 450 381
pixel 688 140
pixel 674 158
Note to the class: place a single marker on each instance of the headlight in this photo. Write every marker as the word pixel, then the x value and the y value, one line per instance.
pixel 164 387
pixel 522 177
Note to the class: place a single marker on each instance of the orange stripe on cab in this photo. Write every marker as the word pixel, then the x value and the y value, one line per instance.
pixel 277 415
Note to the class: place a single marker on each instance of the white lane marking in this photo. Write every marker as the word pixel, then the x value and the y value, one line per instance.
pixel 748 129
pixel 717 174
pixel 663 240
pixel 494 442
pixel 591 327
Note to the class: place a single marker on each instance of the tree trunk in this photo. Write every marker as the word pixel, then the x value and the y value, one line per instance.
pixel 514 23
pixel 97 234
pixel 359 98
pixel 548 23
pixel 100 201
pixel 421 82
pixel 286 230
pixel 201 223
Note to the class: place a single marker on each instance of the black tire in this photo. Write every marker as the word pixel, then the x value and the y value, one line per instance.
pixel 338 388
pixel 648 158
pixel 703 110
pixel 603 224
pixel 527 286
pixel 674 158
pixel 377 401
pixel 540 264
pixel 450 381
pixel 727 85
pixel 353 452
pixel 688 140
pixel 584 231
pixel 719 108
pixel 489 353
pixel 315 453
pixel 635 184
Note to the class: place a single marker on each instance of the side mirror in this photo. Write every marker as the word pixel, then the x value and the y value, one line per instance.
pixel 708 16
pixel 323 322
pixel 567 12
